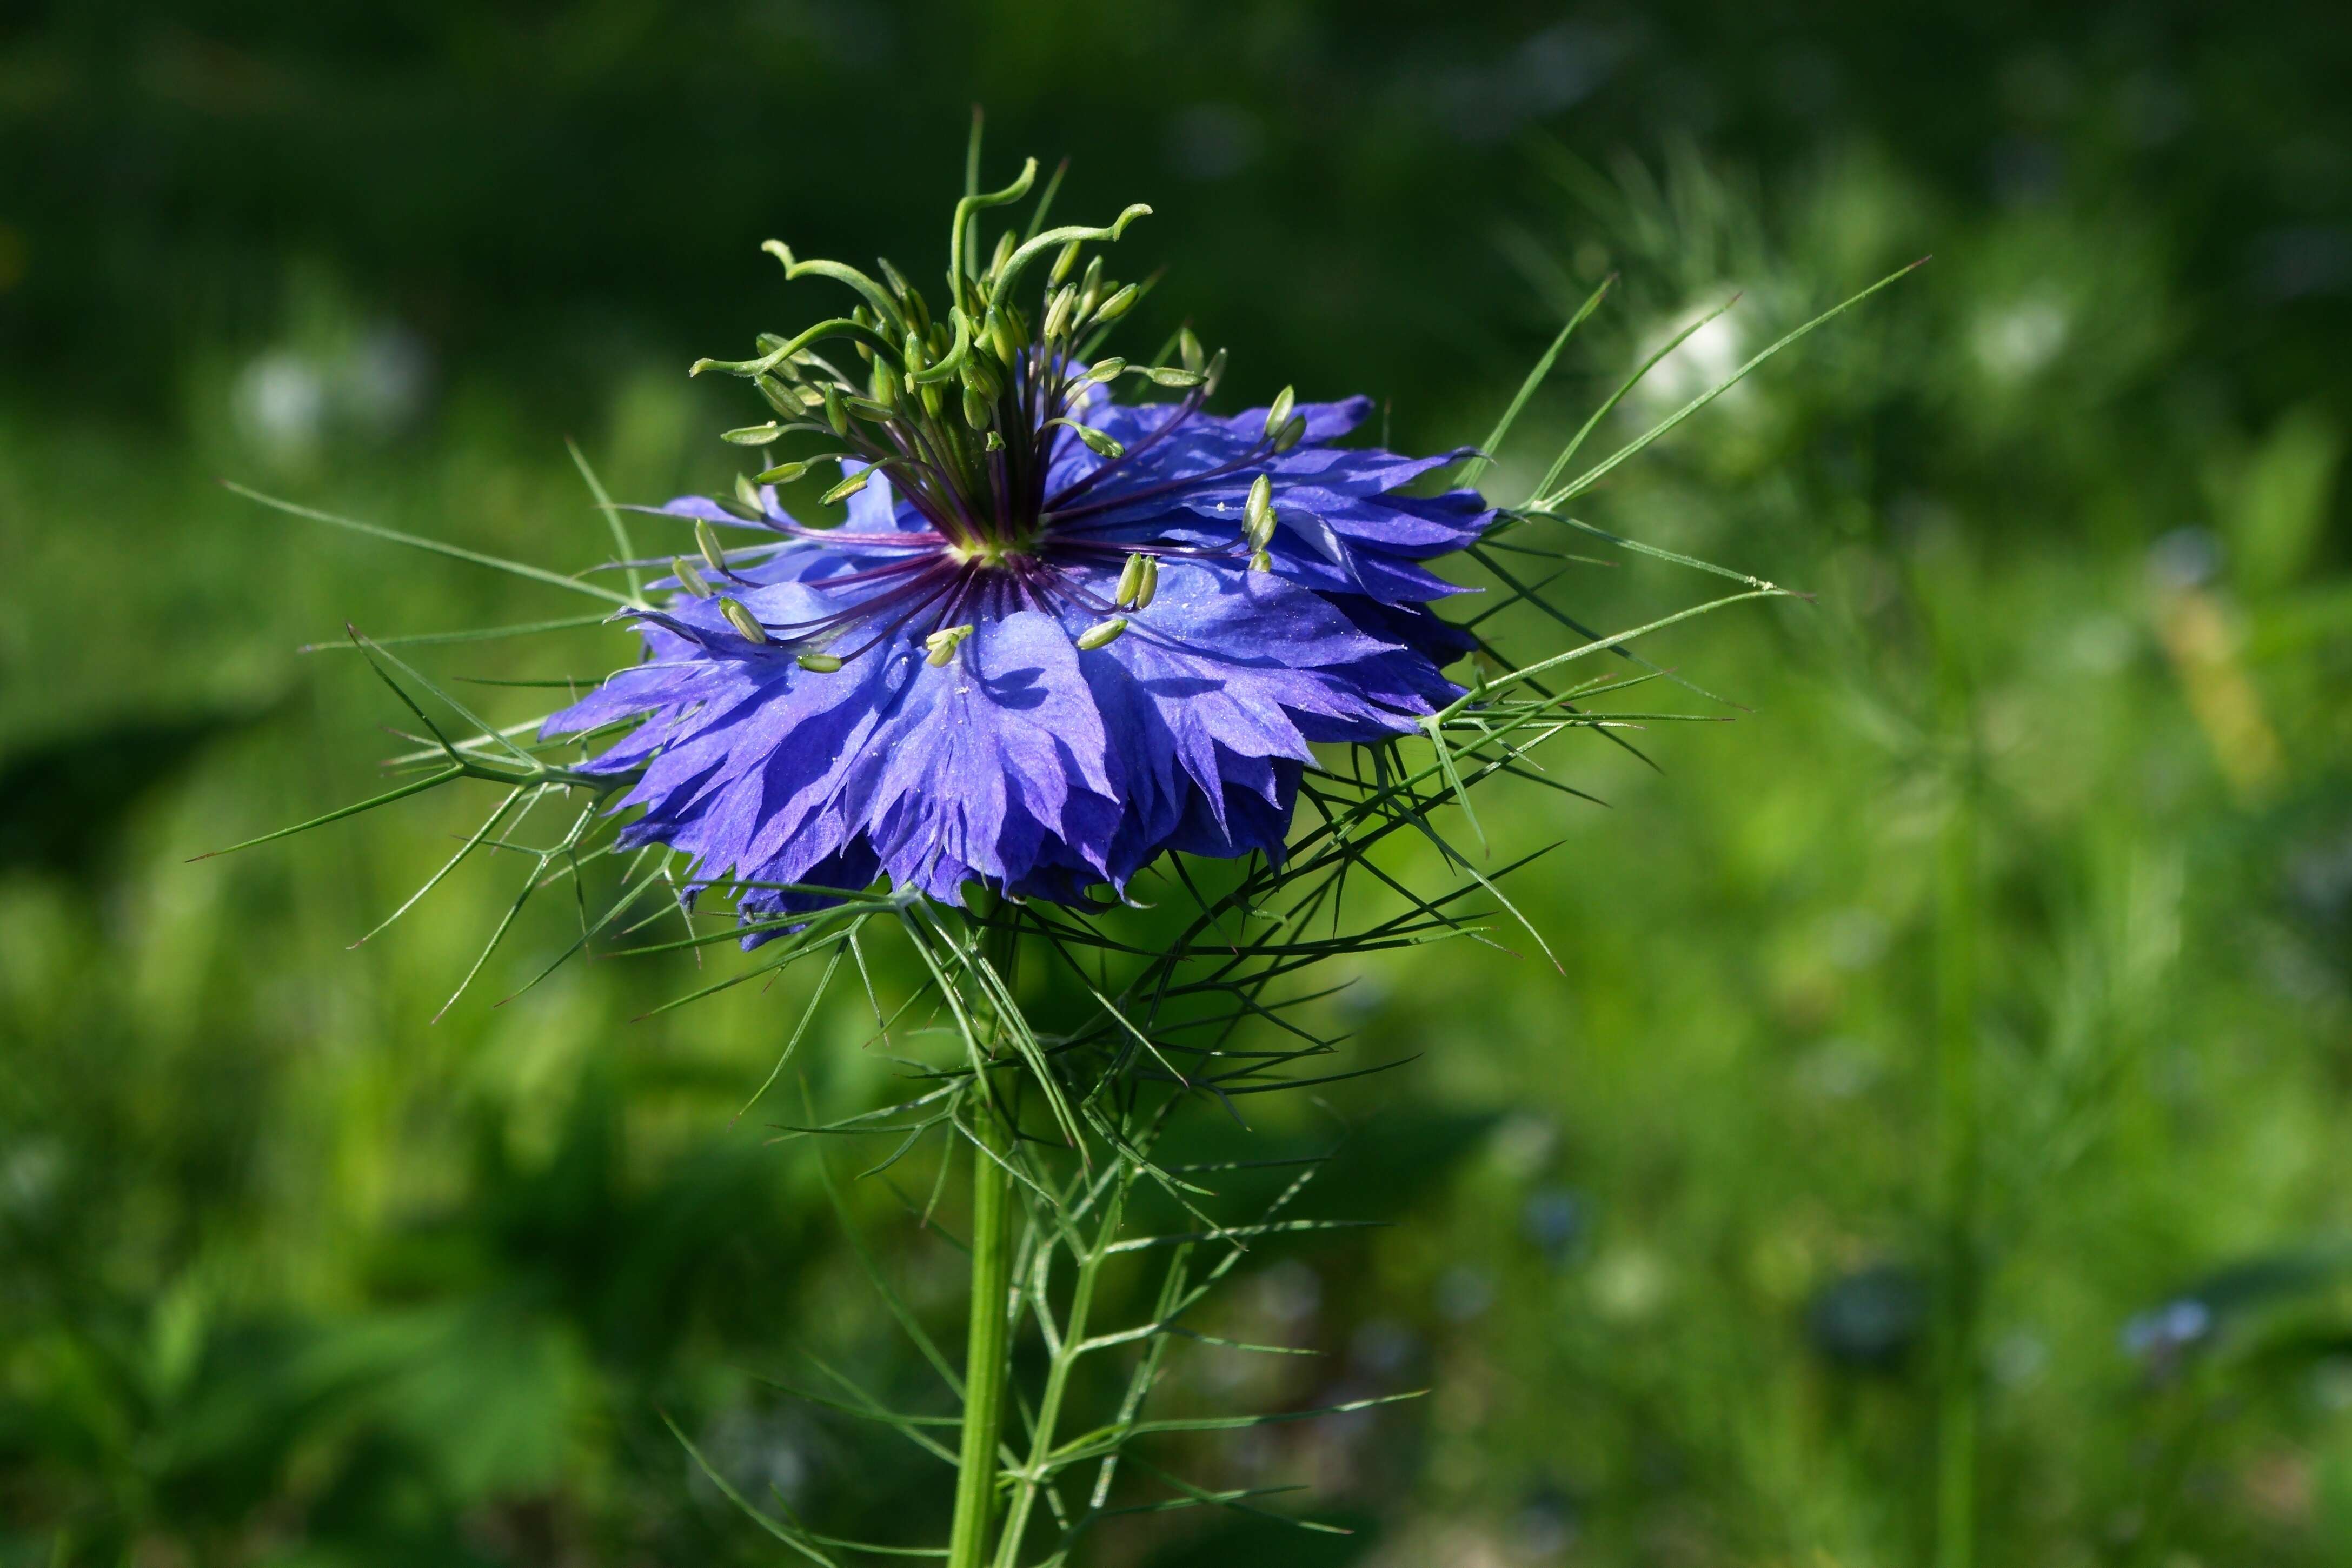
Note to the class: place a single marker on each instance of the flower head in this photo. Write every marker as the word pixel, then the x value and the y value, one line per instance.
pixel 1057 634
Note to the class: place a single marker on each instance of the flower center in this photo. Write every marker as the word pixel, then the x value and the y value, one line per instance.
pixel 991 554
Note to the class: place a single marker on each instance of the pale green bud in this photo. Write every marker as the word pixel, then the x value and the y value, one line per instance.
pixel 1102 634
pixel 783 399
pixel 705 538
pixel 743 620
pixel 1118 304
pixel 1001 334
pixel 941 644
pixel 1102 446
pixel 1139 580
pixel 1278 415
pixel 847 487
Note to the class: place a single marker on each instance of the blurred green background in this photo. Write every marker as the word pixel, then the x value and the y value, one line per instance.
pixel 1990 972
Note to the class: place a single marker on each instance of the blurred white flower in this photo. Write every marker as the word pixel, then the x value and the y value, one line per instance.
pixel 2017 341
pixel 288 402
pixel 1699 362
pixel 281 405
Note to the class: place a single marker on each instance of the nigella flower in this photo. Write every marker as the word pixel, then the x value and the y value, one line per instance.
pixel 1059 635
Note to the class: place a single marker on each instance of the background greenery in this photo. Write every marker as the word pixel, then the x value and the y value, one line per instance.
pixel 1990 969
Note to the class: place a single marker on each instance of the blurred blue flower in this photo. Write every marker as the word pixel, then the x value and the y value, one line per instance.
pixel 2162 1335
pixel 1555 1219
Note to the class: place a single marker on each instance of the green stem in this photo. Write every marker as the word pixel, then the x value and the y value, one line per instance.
pixel 988 1336
pixel 1057 1381
pixel 1958 1133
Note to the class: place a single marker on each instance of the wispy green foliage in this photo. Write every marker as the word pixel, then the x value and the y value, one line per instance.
pixel 1166 1026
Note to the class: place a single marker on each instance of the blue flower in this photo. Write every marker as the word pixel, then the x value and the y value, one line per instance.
pixel 1056 637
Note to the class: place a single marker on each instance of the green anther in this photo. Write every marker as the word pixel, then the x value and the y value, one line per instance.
pixel 1148 588
pixel 748 512
pixel 1278 416
pixel 941 644
pixel 1001 337
pixel 753 435
pixel 1168 376
pixel 689 578
pixel 1118 304
pixel 819 663
pixel 975 409
pixel 834 413
pixel 1063 263
pixel 847 487
pixel 1130 578
pixel 1003 254
pixel 742 620
pixel 884 386
pixel 748 494
pixel 1188 349
pixel 930 392
pixel 1102 633
pixel 783 473
pixel 913 351
pixel 1259 507
pixel 1215 373
pixel 1292 434
pixel 784 400
pixel 1101 444
pixel 706 539
pixel 1057 312
pixel 1260 561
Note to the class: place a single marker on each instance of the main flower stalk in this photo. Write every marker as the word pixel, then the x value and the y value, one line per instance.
pixel 988 1342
